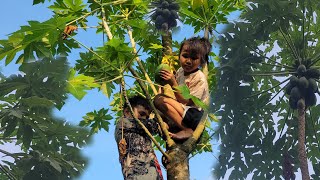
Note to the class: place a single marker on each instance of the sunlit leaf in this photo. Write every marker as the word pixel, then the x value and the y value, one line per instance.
pixel 79 84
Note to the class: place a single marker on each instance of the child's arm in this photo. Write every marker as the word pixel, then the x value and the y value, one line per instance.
pixel 169 77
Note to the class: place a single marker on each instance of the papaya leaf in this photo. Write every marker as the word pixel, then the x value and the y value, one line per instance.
pixel 155 46
pixel 185 92
pixel 10 127
pixel 36 101
pixel 77 85
pixel 97 120
pixel 27 136
pixel 107 88
pixel 14 82
pixel 38 1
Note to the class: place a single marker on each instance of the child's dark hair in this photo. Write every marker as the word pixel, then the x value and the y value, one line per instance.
pixel 138 100
pixel 200 46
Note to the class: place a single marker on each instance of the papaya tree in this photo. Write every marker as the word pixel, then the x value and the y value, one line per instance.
pixel 48 147
pixel 135 41
pixel 268 91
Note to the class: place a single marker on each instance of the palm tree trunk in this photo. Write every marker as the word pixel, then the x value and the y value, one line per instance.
pixel 301 140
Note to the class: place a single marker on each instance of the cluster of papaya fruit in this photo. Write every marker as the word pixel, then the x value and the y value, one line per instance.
pixel 303 84
pixel 165 14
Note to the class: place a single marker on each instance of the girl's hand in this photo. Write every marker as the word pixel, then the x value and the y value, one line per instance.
pixel 169 77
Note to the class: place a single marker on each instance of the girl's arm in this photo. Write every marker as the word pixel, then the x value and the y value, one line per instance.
pixel 170 78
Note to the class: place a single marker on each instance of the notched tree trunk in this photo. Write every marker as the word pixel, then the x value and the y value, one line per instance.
pixel 167 42
pixel 301 140
pixel 178 167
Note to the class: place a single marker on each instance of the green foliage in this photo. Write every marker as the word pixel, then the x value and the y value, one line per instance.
pixel 50 147
pixel 77 85
pixel 28 99
pixel 185 92
pixel 259 125
pixel 40 39
pixel 97 120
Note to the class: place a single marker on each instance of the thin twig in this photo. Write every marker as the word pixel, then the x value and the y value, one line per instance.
pixel 285 120
pixel 133 44
pixel 7 173
pixel 275 65
pixel 101 58
pixel 303 31
pixel 81 17
pixel 272 73
pixel 273 97
pixel 255 50
pixel 288 43
pixel 269 88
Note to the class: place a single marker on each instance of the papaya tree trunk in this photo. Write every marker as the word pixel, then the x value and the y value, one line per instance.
pixel 167 42
pixel 178 167
pixel 301 140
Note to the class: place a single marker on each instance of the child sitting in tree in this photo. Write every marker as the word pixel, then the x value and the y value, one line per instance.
pixel 138 160
pixel 183 112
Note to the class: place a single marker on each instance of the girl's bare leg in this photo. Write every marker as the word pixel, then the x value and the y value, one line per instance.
pixel 174 111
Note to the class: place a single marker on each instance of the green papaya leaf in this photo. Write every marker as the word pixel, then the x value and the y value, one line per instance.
pixel 27 136
pixel 155 46
pixel 185 92
pixel 77 85
pixel 97 120
pixel 36 101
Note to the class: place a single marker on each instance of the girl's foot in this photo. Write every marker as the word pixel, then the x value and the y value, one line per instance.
pixel 183 134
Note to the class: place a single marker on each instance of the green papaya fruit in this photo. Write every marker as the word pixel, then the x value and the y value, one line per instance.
pixel 310 99
pixel 313 87
pixel 313 73
pixel 294 80
pixel 157 77
pixel 301 69
pixel 288 88
pixel 293 103
pixel 295 93
pixel 303 82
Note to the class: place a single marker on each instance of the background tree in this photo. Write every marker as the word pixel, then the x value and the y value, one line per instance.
pixel 267 89
pixel 50 147
pixel 129 33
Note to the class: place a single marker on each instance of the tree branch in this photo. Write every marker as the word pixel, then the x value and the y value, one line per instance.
pixel 133 44
pixel 7 173
pixel 140 123
pixel 256 94
pixel 271 73
pixel 290 45
pixel 255 50
pixel 169 141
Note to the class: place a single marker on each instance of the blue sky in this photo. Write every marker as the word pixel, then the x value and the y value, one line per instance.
pixel 102 152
